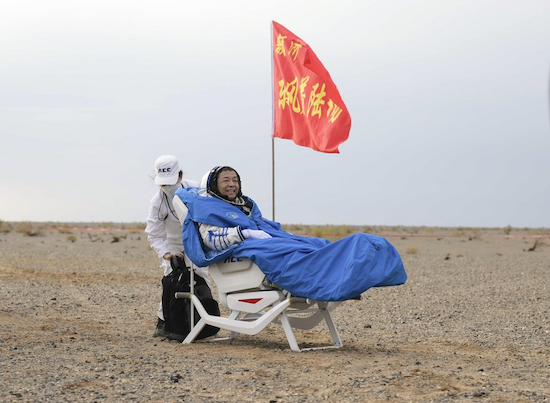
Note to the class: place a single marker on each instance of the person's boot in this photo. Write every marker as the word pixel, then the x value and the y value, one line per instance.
pixel 159 330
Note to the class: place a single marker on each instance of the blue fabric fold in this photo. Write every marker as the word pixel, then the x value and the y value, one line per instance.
pixel 309 267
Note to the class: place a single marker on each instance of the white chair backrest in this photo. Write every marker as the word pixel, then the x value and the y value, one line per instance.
pixel 180 207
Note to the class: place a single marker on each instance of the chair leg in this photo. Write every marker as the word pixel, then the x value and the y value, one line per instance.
pixel 289 323
pixel 195 331
pixel 315 316
pixel 332 329
pixel 289 333
pixel 200 325
pixel 233 316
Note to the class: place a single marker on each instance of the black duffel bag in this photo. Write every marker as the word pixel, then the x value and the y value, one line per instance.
pixel 177 311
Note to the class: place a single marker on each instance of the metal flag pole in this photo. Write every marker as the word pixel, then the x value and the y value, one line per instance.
pixel 272 130
pixel 273 178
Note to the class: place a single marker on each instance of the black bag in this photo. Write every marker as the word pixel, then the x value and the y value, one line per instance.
pixel 177 312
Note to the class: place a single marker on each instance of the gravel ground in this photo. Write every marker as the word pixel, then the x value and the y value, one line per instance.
pixel 472 323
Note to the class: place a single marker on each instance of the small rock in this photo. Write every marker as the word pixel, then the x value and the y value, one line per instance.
pixel 175 378
pixel 261 372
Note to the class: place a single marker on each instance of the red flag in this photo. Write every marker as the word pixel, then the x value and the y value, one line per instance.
pixel 307 106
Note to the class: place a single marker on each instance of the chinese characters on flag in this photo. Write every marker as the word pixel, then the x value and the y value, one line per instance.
pixel 307 106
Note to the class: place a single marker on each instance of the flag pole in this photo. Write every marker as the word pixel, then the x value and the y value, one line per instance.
pixel 273 178
pixel 272 130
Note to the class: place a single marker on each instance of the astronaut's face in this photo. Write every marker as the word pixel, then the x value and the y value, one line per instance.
pixel 228 184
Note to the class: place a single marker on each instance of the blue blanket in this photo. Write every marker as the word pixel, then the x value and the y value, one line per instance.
pixel 308 267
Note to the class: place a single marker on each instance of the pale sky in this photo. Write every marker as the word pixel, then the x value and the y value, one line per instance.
pixel 449 103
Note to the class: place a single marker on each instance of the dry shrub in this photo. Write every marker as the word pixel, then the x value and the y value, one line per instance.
pixel 71 238
pixel 474 236
pixel 5 228
pixel 135 226
pixel 412 250
pixel 538 242
pixel 296 229
pixel 368 230
pixel 429 230
pixel 329 231
pixel 29 229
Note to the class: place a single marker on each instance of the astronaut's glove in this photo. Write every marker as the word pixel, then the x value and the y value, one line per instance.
pixel 255 234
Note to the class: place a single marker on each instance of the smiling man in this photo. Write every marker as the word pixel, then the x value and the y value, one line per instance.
pixel 225 183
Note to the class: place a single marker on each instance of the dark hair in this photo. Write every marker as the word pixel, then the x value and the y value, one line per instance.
pixel 212 183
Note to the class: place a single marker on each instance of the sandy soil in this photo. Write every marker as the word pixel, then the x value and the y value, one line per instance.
pixel 471 323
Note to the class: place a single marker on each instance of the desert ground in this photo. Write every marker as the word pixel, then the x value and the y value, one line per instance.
pixel 472 323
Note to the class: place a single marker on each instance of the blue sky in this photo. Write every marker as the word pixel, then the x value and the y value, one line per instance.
pixel 449 104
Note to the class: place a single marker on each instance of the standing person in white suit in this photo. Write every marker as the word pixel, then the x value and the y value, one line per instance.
pixel 163 226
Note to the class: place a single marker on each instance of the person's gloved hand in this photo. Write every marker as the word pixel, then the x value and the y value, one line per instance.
pixel 255 234
pixel 168 255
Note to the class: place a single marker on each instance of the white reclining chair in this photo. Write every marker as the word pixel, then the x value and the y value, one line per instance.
pixel 254 303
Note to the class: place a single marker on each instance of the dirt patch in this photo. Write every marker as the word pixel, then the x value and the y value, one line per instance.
pixel 472 322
